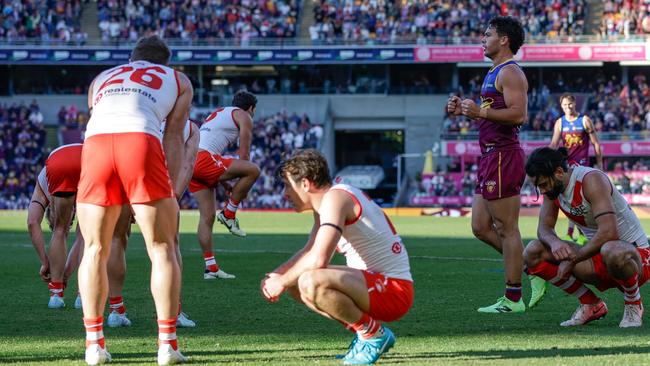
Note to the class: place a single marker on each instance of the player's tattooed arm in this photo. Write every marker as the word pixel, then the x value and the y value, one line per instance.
pixel 597 189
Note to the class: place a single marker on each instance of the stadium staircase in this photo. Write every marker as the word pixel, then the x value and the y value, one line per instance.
pixel 595 10
pixel 90 21
pixel 306 18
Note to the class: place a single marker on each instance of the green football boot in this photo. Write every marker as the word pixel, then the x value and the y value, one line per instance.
pixel 504 305
pixel 538 287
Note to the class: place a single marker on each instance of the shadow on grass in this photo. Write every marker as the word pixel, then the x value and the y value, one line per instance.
pixel 268 355
pixel 509 354
pixel 239 356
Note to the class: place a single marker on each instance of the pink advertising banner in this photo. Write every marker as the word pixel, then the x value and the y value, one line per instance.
pixel 610 148
pixel 632 199
pixel 583 52
pixel 539 53
pixel 449 54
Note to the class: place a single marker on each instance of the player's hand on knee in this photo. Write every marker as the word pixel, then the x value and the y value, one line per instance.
pixel 562 251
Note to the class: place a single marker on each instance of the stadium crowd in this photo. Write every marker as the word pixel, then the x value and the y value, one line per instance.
pixel 437 21
pixel 197 20
pixel 625 18
pixel 22 153
pixel 47 21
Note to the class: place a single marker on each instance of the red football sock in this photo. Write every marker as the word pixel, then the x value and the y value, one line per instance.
pixel 571 286
pixel 631 291
pixel 231 208
pixel 56 288
pixel 210 262
pixel 117 304
pixel 167 332
pixel 94 331
pixel 366 327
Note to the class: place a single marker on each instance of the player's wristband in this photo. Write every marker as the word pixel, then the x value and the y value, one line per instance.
pixel 482 112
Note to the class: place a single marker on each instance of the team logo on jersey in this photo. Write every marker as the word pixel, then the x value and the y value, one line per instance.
pixel 572 140
pixel 379 285
pixel 490 185
pixel 397 248
pixel 486 102
pixel 578 210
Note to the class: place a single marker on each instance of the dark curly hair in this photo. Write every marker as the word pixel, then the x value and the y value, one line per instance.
pixel 543 161
pixel 510 27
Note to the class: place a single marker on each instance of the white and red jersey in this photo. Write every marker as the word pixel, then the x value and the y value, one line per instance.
pixel 574 205
pixel 134 97
pixel 187 130
pixel 370 242
pixel 219 131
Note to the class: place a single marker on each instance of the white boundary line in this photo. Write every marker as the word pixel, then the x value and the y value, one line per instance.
pixel 263 251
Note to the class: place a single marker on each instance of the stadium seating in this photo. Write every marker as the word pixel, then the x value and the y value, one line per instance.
pixel 439 21
pixel 197 20
pixel 47 21
pixel 22 153
pixel 625 18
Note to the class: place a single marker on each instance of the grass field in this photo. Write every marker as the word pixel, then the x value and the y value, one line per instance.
pixel 454 274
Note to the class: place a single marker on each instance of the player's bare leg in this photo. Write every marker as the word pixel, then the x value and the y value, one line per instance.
pixel 74 258
pixel 183 320
pixel 97 224
pixel 482 224
pixel 207 208
pixel 247 173
pixel 342 294
pixel 625 265
pixel 158 222
pixel 540 262
pixel 117 270
pixel 62 211
pixel 505 217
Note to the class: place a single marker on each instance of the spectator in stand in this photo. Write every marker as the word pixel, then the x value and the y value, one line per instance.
pixel 47 21
pixel 439 21
pixel 197 20
pixel 22 153
pixel 625 18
